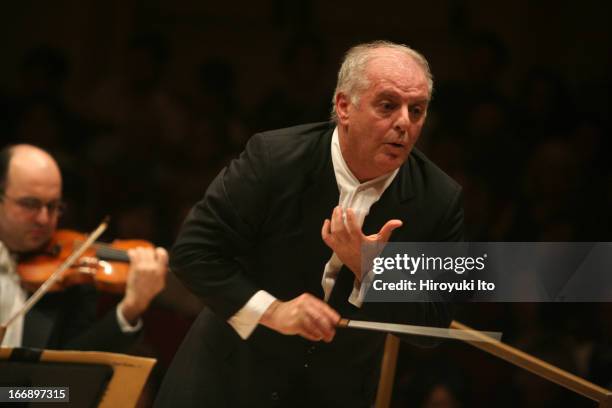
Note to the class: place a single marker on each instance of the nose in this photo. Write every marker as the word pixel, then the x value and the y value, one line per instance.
pixel 44 216
pixel 402 122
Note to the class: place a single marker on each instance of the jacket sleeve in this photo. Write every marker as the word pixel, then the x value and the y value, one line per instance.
pixel 220 229
pixel 77 328
pixel 451 227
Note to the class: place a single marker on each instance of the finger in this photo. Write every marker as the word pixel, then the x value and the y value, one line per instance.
pixel 334 220
pixel 385 232
pixel 320 319
pixel 337 224
pixel 311 328
pixel 306 328
pixel 162 265
pixel 133 255
pixel 86 270
pixel 325 231
pixel 332 320
pixel 351 221
pixel 162 256
pixel 145 254
pixel 148 254
pixel 326 317
pixel 326 333
pixel 333 316
pixel 140 260
pixel 309 336
pixel 325 326
pixel 324 309
pixel 87 261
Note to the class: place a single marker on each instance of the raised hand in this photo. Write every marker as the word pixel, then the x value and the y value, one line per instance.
pixel 344 236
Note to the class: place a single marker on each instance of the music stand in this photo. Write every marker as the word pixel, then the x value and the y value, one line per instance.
pixel 95 379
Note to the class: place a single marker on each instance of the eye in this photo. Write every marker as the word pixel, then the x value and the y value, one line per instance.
pixel 416 110
pixel 30 203
pixel 387 106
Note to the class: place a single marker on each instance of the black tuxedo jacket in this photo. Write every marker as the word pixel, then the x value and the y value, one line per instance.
pixel 258 227
pixel 67 320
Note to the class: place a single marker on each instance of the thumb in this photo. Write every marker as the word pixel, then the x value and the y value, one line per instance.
pixel 385 232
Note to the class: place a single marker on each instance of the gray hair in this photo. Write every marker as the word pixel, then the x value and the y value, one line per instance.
pixel 352 79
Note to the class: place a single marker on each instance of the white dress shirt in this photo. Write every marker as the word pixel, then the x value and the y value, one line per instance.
pixel 12 298
pixel 353 194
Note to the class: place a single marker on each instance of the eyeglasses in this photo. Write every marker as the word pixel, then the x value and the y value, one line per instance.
pixel 33 205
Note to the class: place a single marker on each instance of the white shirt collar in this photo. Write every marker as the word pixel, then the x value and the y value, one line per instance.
pixel 346 179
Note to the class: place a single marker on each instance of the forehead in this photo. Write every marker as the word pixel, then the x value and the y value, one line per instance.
pixel 392 70
pixel 32 179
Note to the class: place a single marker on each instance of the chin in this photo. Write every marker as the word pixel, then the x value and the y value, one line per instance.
pixel 32 245
pixel 389 166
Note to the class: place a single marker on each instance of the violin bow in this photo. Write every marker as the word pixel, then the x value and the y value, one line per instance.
pixel 55 276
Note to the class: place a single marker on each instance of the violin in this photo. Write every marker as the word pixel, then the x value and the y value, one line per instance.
pixel 104 265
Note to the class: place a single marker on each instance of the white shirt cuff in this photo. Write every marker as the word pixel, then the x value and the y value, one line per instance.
pixel 247 318
pixel 360 288
pixel 124 325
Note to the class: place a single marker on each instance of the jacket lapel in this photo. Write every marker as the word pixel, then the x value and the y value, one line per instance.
pixel 394 203
pixel 317 203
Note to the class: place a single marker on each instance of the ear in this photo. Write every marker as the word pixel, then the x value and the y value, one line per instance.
pixel 342 108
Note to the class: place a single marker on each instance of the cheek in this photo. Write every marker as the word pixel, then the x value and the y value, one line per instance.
pixel 11 220
pixel 4 227
pixel 380 133
pixel 53 224
pixel 415 131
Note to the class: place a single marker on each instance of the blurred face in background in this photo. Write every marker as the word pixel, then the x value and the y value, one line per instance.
pixel 31 203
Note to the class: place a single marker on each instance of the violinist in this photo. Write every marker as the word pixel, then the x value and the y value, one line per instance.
pixel 30 206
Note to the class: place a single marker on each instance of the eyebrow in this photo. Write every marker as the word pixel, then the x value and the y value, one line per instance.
pixel 33 198
pixel 395 95
pixel 387 94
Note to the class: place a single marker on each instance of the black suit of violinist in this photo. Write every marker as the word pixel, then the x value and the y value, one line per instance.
pixel 269 223
pixel 30 206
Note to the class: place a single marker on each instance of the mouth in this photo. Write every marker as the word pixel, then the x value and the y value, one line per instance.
pixel 38 233
pixel 395 145
pixel 394 150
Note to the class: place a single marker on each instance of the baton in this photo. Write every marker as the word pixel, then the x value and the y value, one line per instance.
pixel 440 332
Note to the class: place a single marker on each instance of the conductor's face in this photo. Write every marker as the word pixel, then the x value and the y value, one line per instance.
pixel 378 132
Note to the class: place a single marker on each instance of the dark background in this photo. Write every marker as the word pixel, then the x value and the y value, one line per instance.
pixel 143 102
